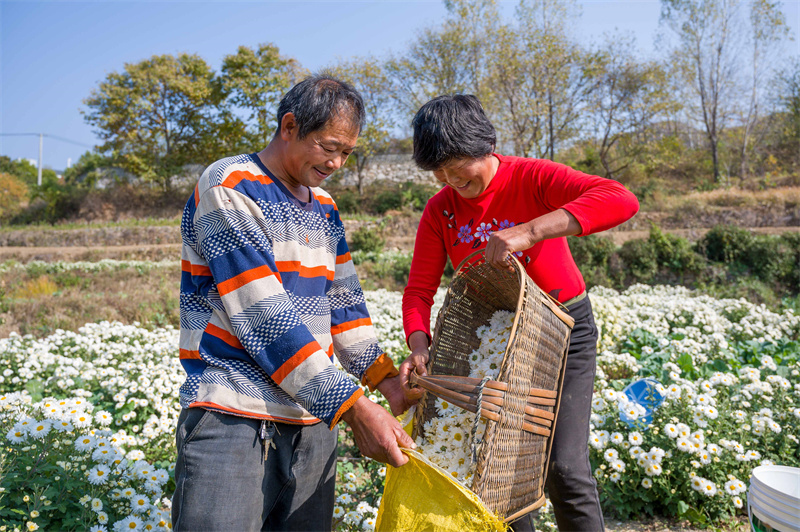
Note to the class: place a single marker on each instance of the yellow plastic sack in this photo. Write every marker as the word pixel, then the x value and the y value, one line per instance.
pixel 420 496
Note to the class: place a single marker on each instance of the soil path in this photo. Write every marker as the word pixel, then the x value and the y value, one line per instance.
pixel 401 240
pixel 71 253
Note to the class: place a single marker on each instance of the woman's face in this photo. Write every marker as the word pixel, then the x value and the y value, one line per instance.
pixel 469 177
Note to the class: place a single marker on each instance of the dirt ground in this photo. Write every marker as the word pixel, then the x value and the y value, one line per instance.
pixel 399 236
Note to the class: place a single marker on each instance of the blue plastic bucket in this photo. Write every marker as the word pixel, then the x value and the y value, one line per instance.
pixel 643 392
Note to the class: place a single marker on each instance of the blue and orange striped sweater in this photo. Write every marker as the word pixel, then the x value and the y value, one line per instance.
pixel 268 295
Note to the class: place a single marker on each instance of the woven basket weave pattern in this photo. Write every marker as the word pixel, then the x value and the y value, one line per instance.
pixel 512 463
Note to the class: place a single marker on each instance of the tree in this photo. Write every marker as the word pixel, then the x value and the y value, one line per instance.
pixel 708 54
pixel 787 86
pixel 449 59
pixel 255 80
pixel 541 77
pixel 13 195
pixel 153 116
pixel 21 169
pixel 767 27
pixel 367 75
pixel 630 95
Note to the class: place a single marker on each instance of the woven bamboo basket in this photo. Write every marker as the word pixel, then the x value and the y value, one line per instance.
pixel 522 404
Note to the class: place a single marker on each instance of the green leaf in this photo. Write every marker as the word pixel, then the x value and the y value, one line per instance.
pixel 682 508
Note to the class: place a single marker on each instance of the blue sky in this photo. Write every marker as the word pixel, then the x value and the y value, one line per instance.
pixel 52 54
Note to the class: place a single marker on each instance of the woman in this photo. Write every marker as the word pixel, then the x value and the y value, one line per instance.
pixel 524 207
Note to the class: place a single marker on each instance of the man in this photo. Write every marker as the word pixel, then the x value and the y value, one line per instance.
pixel 268 295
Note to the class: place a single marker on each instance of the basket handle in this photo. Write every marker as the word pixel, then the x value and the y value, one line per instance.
pixel 468 259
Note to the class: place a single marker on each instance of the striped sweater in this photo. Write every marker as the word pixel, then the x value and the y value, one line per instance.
pixel 268 295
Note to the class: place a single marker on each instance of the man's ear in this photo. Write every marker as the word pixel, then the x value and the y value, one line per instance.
pixel 288 127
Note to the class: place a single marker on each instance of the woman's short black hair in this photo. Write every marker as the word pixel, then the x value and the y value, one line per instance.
pixel 451 127
pixel 317 99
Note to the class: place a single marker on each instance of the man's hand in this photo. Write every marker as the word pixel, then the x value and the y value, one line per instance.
pixel 392 389
pixel 377 434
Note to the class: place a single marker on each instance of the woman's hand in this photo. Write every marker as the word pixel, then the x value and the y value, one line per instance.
pixel 416 361
pixel 503 243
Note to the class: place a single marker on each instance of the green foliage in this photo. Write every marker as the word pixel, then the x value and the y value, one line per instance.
pixel 592 254
pixel 21 169
pixel 387 200
pixel 675 253
pixel 368 76
pixel 158 115
pixel 348 201
pixel 87 170
pixel 61 200
pixel 255 80
pixel 53 477
pixel 640 259
pixel 13 195
pixel 725 243
pixel 408 195
pixel 368 239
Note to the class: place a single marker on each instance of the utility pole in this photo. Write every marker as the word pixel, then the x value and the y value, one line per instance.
pixel 41 143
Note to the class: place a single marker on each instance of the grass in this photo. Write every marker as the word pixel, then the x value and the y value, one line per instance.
pixel 72 226
pixel 38 304
pixel 734 197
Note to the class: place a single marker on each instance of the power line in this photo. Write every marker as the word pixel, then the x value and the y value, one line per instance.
pixel 56 137
pixel 41 147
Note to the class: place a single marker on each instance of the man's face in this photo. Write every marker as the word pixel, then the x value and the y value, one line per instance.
pixel 309 161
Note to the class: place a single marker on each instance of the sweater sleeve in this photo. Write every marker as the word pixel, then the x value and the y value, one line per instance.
pixel 233 235
pixel 427 266
pixel 596 202
pixel 354 339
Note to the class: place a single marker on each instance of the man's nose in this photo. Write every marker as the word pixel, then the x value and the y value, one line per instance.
pixel 336 161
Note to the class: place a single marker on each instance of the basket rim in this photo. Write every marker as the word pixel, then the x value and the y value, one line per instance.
pixel 555 305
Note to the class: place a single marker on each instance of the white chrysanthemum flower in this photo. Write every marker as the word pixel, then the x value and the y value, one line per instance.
pixel 653 470
pixel 647 483
pixel 97 505
pixel 16 435
pixel 737 501
pixel 709 489
pixel 338 512
pixel 81 420
pixel 103 418
pixel 610 455
pixel 99 474
pixel 635 438
pixel 352 517
pixel 129 524
pixel 39 429
pixel 62 425
pixel 84 443
pixel 139 503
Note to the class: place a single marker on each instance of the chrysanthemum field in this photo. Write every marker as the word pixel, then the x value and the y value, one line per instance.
pixel 87 417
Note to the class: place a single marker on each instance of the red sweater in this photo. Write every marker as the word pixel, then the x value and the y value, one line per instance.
pixel 521 190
